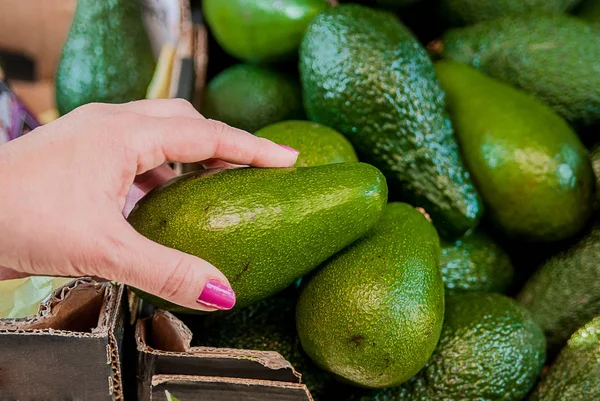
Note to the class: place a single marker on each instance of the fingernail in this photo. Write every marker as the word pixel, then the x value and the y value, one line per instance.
pixel 290 149
pixel 217 295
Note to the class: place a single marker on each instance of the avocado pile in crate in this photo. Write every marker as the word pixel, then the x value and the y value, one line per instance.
pixel 437 238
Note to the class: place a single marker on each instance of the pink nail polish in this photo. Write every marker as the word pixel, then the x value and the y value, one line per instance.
pixel 217 295
pixel 290 149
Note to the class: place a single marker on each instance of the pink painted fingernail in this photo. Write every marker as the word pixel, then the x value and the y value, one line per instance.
pixel 290 149
pixel 217 295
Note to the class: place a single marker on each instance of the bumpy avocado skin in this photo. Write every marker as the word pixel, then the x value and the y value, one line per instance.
pixel 575 374
pixel 526 160
pixel 372 314
pixel 553 56
pixel 475 262
pixel 365 75
pixel 106 57
pixel 250 97
pixel 564 292
pixel 317 143
pixel 263 227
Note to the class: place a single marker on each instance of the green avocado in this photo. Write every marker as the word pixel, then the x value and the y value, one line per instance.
pixel 564 293
pixel 372 314
pixel 365 75
pixel 526 161
pixel 260 30
pixel 107 56
pixel 469 12
pixel 490 349
pixel 249 97
pixel 316 143
pixel 575 374
pixel 553 56
pixel 475 262
pixel 262 227
pixel 268 325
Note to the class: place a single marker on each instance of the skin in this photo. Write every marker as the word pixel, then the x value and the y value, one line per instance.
pixel 64 188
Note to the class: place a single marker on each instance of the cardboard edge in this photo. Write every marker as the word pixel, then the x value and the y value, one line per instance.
pixel 116 317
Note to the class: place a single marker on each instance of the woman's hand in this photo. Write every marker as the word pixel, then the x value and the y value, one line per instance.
pixel 63 188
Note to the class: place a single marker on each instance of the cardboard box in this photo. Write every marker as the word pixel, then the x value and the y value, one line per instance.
pixel 70 350
pixel 167 362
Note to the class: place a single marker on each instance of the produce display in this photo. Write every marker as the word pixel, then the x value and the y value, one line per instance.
pixel 382 265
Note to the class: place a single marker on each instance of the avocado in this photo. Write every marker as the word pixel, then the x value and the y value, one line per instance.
pixel 106 57
pixel 469 12
pixel 251 97
pixel 263 30
pixel 526 161
pixel 268 325
pixel 365 75
pixel 475 262
pixel 595 160
pixel 589 11
pixel 564 293
pixel 317 143
pixel 575 374
pixel 552 56
pixel 262 227
pixel 373 313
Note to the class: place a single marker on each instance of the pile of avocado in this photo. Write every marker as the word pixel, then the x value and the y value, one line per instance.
pixel 438 237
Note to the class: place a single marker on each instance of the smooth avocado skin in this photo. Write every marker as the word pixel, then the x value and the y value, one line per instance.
pixel 251 97
pixel 365 75
pixel 260 31
pixel 526 161
pixel 263 228
pixel 469 12
pixel 552 56
pixel 106 57
pixel 575 374
pixel 317 143
pixel 475 262
pixel 564 293
pixel 372 314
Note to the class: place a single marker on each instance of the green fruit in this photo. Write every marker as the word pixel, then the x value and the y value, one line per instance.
pixel 526 161
pixel 106 57
pixel 250 97
pixel 316 143
pixel 554 57
pixel 268 325
pixel 364 74
pixel 490 349
pixel 260 30
pixel 469 12
pixel 372 314
pixel 595 159
pixel 589 11
pixel 565 291
pixel 575 374
pixel 263 228
pixel 475 263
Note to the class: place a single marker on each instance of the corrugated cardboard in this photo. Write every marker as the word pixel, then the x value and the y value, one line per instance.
pixel 70 350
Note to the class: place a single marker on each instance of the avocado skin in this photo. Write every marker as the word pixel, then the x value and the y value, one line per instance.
pixel 250 97
pixel 107 56
pixel 263 30
pixel 575 374
pixel 475 262
pixel 263 228
pixel 564 293
pixel 469 12
pixel 372 314
pixel 526 161
pixel 552 56
pixel 317 143
pixel 268 325
pixel 365 75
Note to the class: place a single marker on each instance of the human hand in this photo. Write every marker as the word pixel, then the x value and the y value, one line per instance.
pixel 64 185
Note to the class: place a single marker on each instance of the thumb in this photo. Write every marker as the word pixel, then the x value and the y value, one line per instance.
pixel 176 276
